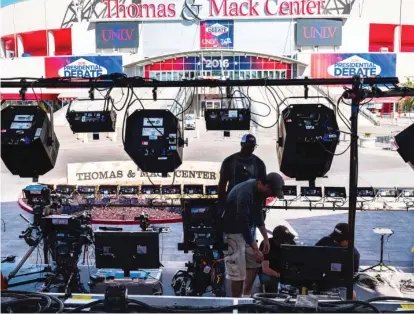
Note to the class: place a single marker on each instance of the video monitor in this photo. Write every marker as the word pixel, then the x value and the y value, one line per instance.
pixel 311 191
pixel 171 189
pixel 386 192
pixel 290 190
pixel 405 192
pixel 327 271
pixel 335 191
pixel 151 189
pixel 365 192
pixel 108 189
pixel 211 190
pixel 128 190
pixel 193 189
pixel 65 189
pixel 86 189
pixel 127 250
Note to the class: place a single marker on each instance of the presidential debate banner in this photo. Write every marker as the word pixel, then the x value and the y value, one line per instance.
pixel 83 66
pixel 217 34
pixel 318 32
pixel 116 35
pixel 342 65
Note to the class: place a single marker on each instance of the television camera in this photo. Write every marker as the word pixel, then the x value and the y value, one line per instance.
pixel 203 236
pixel 63 237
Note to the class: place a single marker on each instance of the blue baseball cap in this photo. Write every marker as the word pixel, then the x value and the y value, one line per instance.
pixel 248 139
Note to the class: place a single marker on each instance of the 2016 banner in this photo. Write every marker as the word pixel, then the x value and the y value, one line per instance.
pixel 117 35
pixel 318 32
pixel 216 34
pixel 83 66
pixel 326 65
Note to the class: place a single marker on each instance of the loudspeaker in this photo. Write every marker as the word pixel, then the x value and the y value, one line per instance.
pixel 153 140
pixel 405 143
pixel 308 136
pixel 29 146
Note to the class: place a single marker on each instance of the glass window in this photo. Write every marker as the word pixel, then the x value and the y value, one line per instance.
pixel 283 76
pixel 277 75
pixel 176 76
pixel 260 74
pixel 265 74
pixel 192 74
pixel 158 76
pixel 163 76
pixel 247 75
pixel 236 75
pixel 242 75
pixel 168 76
pixel 271 74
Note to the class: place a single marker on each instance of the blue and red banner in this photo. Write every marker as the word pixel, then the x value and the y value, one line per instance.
pixel 327 65
pixel 83 66
pixel 217 34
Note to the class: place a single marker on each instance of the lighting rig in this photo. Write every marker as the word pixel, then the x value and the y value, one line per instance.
pixel 357 93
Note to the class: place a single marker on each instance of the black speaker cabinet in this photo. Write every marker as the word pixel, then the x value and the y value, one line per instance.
pixel 405 143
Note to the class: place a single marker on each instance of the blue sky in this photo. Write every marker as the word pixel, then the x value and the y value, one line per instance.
pixel 7 2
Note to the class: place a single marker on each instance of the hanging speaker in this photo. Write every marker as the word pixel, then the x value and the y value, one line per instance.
pixel 308 136
pixel 29 146
pixel 405 144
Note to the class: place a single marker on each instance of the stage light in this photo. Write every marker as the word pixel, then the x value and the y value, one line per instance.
pixel 154 141
pixel 93 121
pixel 405 144
pixel 308 136
pixel 227 119
pixel 29 146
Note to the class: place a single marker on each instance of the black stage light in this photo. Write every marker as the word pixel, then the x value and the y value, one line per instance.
pixel 154 141
pixel 405 144
pixel 29 146
pixel 227 119
pixel 93 121
pixel 308 136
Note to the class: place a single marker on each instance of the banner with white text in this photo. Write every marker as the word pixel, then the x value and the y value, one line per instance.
pixel 126 172
pixel 217 34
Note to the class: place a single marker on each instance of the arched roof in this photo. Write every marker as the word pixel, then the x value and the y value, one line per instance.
pixel 213 52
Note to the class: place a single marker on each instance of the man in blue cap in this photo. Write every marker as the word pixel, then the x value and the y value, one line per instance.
pixel 235 169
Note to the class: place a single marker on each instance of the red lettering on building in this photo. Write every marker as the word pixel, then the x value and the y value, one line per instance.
pixel 150 11
pixel 227 8
pixel 294 8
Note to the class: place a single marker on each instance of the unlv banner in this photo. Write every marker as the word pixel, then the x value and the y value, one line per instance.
pixel 318 32
pixel 126 172
pixel 216 34
pixel 116 35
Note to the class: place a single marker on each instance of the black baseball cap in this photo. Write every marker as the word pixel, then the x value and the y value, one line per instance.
pixel 341 232
pixel 283 235
pixel 248 139
pixel 276 183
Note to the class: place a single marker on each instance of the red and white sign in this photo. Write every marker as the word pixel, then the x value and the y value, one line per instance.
pixel 198 10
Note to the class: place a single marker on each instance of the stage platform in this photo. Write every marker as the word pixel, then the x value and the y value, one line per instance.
pixel 308 226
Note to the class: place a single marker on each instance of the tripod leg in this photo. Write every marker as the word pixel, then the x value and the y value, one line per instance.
pixel 21 263
pixel 369 268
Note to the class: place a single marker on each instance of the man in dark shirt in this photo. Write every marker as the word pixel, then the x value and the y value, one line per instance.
pixel 271 266
pixel 339 238
pixel 235 169
pixel 243 209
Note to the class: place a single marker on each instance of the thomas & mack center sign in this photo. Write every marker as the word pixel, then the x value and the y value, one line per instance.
pixel 199 10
